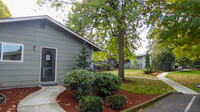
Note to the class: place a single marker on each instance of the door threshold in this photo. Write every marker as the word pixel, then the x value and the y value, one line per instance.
pixel 48 84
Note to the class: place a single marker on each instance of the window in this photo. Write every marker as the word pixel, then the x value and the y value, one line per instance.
pixel 141 66
pixel 11 52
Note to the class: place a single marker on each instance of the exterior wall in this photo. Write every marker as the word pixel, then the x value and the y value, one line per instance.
pixel 141 62
pixel 31 34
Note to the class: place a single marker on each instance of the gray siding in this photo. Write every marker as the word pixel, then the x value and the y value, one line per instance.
pixel 31 34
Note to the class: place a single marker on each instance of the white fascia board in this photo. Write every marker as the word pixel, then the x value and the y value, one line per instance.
pixel 7 20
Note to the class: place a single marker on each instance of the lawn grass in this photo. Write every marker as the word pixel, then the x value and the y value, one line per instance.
pixel 188 78
pixel 146 86
pixel 134 72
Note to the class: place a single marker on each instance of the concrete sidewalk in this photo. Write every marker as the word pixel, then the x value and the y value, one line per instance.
pixel 43 100
pixel 178 87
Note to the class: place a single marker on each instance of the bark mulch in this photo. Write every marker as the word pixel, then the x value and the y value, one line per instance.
pixel 14 96
pixel 67 101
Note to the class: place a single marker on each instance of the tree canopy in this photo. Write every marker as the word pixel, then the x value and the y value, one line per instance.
pixel 177 25
pixel 4 12
pixel 162 56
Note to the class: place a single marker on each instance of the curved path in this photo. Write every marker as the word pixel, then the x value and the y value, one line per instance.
pixel 177 86
pixel 43 100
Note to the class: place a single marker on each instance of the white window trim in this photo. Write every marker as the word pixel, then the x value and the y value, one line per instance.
pixel 22 55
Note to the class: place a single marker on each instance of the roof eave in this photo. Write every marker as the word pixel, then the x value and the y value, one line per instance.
pixel 53 21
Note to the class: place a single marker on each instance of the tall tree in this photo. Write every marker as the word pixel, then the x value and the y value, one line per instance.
pixel 112 24
pixel 147 62
pixel 161 56
pixel 4 12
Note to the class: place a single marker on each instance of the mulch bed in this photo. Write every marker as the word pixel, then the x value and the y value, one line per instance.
pixel 14 96
pixel 67 101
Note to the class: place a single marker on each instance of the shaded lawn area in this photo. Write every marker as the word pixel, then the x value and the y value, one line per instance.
pixel 188 78
pixel 146 86
pixel 135 72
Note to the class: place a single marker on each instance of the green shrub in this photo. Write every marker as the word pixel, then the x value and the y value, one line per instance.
pixel 109 67
pixel 104 67
pixel 90 104
pixel 80 82
pixel 99 67
pixel 148 71
pixel 106 83
pixel 197 66
pixel 116 101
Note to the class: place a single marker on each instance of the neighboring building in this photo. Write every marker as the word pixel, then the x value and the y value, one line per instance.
pixel 141 63
pixel 37 50
pixel 140 58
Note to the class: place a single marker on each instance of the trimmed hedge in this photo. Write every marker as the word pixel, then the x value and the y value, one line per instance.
pixel 116 101
pixel 148 71
pixel 106 83
pixel 80 82
pixel 90 104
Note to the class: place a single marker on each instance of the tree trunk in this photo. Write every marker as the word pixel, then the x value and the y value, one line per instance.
pixel 121 53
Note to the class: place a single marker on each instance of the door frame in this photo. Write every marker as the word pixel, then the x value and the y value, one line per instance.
pixel 55 78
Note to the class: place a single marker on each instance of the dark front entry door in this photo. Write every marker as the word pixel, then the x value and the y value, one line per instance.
pixel 48 62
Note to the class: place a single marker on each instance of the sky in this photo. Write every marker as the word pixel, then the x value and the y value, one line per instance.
pixel 22 8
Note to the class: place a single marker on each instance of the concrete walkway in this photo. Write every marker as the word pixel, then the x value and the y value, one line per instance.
pixel 43 100
pixel 178 87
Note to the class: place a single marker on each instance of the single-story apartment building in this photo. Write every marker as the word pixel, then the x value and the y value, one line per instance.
pixel 37 51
